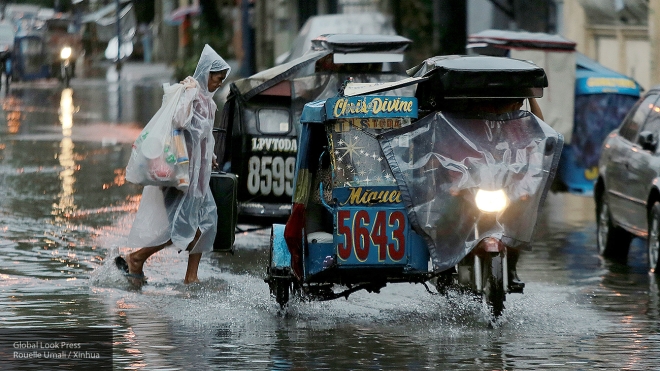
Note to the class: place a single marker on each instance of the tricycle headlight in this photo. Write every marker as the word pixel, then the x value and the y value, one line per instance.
pixel 65 53
pixel 491 201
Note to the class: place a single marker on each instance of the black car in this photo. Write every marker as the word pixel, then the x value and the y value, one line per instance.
pixel 627 191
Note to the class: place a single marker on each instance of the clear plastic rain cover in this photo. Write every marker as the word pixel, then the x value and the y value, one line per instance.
pixel 443 159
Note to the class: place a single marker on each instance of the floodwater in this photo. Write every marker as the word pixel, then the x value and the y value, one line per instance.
pixel 65 212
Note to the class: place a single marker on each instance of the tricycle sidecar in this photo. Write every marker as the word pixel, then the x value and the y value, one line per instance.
pixel 29 57
pixel 384 196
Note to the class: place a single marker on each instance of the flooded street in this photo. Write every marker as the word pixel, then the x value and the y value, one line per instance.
pixel 65 213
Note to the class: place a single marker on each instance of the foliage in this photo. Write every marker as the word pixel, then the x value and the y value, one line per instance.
pixel 208 29
pixel 414 22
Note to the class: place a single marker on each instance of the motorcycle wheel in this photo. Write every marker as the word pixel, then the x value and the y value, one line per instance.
pixel 612 241
pixel 493 283
pixel 653 240
pixel 282 287
pixel 445 281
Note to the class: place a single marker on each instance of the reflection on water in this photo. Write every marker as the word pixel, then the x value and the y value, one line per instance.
pixel 12 108
pixel 66 206
pixel 66 211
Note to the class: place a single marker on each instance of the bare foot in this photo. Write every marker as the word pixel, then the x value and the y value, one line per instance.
pixel 189 281
pixel 133 266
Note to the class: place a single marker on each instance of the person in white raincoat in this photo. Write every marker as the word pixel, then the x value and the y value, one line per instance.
pixel 187 219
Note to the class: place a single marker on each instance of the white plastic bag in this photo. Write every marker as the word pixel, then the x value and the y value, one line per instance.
pixel 160 158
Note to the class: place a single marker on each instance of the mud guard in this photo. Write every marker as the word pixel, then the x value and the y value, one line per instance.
pixel 280 255
pixel 279 277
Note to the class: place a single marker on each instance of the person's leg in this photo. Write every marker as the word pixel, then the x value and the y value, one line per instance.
pixel 193 261
pixel 193 266
pixel 515 284
pixel 136 259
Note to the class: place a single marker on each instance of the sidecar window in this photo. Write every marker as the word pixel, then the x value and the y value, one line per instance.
pixel 30 47
pixel 274 121
pixel 358 160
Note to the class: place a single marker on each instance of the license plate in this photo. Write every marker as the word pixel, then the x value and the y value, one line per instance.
pixel 371 236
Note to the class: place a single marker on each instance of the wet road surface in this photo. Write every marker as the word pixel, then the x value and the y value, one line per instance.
pixel 65 212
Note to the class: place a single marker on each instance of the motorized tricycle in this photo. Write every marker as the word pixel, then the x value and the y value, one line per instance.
pixel 262 112
pixel 431 188
pixel 29 57
pixel 64 41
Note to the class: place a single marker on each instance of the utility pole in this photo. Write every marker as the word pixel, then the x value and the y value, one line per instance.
pixel 449 27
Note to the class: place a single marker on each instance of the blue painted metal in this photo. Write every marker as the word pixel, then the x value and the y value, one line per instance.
pixel 281 258
pixel 371 107
pixel 419 253
pixel 372 250
pixel 313 112
pixel 371 201
pixel 319 257
pixel 578 180
pixel 602 98
pixel 592 77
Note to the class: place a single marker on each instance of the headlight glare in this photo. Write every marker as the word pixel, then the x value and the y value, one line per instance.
pixel 65 53
pixel 491 201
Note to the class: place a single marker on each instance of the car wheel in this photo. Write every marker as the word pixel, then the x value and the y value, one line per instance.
pixel 653 240
pixel 612 241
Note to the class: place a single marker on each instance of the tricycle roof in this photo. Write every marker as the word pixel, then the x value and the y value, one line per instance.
pixel 520 39
pixel 348 48
pixel 476 76
pixel 592 77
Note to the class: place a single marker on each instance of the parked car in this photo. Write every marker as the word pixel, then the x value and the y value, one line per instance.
pixel 627 192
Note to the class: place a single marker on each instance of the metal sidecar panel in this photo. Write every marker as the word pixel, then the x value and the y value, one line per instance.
pixel 280 256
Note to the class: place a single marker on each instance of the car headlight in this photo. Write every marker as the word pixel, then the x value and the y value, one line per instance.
pixel 491 201
pixel 65 53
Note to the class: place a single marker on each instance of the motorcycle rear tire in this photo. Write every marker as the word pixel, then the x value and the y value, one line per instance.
pixel 282 288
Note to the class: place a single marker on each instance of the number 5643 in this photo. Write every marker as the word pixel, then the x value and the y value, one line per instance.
pixel 360 230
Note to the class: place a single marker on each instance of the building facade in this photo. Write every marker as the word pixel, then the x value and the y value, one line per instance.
pixel 620 34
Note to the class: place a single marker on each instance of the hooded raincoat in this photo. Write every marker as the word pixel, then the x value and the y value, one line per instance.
pixel 170 214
